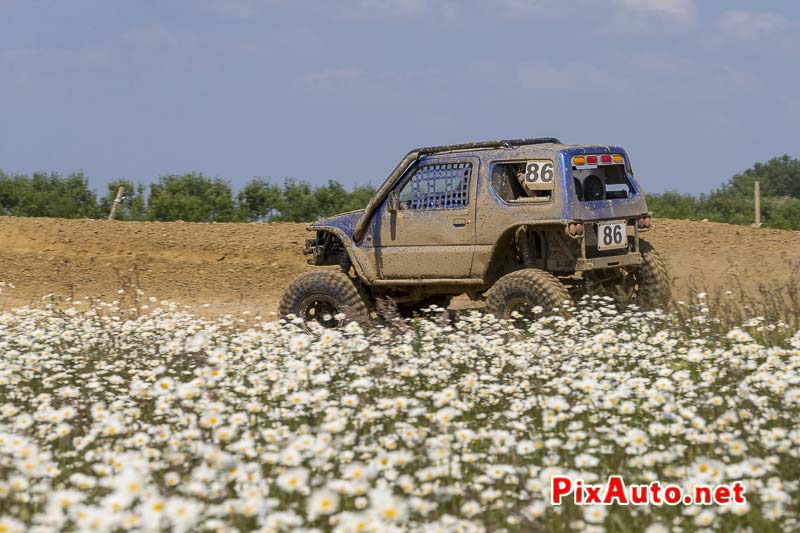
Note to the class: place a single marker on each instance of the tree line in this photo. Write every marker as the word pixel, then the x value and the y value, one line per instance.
pixel 191 197
pixel 195 197
pixel 733 202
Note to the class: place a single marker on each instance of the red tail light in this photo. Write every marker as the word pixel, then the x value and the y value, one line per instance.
pixel 575 229
pixel 597 159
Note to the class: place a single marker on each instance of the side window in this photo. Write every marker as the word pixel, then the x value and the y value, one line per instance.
pixel 444 186
pixel 531 181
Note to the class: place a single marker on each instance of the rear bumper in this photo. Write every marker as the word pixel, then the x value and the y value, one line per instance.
pixel 612 261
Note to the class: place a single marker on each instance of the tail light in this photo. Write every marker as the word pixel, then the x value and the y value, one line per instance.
pixel 604 159
pixel 644 222
pixel 575 229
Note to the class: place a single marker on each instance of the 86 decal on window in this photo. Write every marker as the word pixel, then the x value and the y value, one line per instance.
pixel 539 175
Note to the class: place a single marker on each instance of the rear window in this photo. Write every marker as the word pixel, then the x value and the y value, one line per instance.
pixel 604 182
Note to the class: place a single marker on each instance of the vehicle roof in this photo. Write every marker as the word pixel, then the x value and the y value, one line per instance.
pixel 476 145
pixel 521 151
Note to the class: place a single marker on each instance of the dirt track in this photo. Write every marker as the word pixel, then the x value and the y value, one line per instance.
pixel 237 267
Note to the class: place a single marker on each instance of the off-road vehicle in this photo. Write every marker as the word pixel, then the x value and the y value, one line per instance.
pixel 518 223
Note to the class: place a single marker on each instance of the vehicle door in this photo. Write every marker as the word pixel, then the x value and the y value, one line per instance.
pixel 430 231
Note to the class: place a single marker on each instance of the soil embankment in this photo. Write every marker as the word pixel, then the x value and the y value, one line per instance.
pixel 237 267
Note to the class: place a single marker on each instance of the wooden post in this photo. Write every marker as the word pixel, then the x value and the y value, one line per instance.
pixel 757 199
pixel 117 200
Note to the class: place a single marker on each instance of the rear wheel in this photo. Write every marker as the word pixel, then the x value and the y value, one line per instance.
pixel 652 279
pixel 648 286
pixel 523 291
pixel 320 295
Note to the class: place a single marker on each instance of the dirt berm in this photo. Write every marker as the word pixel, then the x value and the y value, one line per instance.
pixel 238 267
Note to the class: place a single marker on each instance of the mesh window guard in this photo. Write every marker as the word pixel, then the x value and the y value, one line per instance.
pixel 441 186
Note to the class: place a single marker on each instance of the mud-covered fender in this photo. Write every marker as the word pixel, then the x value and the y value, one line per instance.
pixel 349 246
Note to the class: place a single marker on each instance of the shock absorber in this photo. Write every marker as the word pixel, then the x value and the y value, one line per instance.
pixel 344 261
pixel 524 245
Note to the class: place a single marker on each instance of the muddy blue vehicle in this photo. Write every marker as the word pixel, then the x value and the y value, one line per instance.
pixel 520 224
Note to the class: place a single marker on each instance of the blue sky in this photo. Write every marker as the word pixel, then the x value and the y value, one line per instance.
pixel 322 89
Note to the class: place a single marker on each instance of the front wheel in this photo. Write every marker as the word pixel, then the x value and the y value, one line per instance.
pixel 523 291
pixel 323 295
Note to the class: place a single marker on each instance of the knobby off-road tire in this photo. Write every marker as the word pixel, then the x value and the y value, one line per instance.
pixel 523 290
pixel 652 279
pixel 319 295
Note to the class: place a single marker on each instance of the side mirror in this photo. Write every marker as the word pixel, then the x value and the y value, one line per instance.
pixel 394 202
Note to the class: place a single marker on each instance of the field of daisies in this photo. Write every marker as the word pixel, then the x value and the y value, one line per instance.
pixel 165 421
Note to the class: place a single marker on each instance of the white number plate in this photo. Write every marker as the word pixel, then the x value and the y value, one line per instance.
pixel 539 175
pixel 611 235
